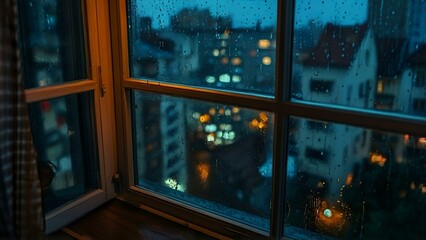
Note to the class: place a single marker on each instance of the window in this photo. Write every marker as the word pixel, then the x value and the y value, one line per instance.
pixel 241 156
pixel 62 77
pixel 316 154
pixel 321 86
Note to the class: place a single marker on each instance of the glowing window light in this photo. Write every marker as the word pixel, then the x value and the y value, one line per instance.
pixel 349 179
pixel 266 60
pixel 228 112
pixel 173 184
pixel 216 52
pixel 219 134
pixel 263 116
pixel 210 137
pixel 235 110
pixel 224 60
pixel 406 138
pixel 236 78
pixel 210 79
pixel 236 61
pixel 380 87
pixel 210 128
pixel 229 135
pixel 223 43
pixel 422 142
pixel 225 78
pixel 376 158
pixel 254 123
pixel 221 111
pixel 264 43
pixel 205 118
pixel 262 125
pixel 212 111
pixel 327 213
pixel 203 171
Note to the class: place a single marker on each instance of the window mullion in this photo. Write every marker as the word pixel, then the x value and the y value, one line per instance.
pixel 365 118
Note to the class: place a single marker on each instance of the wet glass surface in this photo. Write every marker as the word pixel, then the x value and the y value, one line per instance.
pixel 354 183
pixel 64 141
pixel 363 54
pixel 52 42
pixel 205 43
pixel 214 157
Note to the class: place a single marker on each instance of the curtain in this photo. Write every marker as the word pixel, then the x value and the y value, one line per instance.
pixel 21 215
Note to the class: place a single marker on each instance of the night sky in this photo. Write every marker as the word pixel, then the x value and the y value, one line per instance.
pixel 246 13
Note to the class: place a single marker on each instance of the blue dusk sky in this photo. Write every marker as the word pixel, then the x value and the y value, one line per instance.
pixel 246 13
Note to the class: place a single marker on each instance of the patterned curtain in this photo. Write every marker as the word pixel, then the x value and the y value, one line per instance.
pixel 21 215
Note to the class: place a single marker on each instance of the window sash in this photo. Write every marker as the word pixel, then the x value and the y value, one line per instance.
pixel 96 31
pixel 281 105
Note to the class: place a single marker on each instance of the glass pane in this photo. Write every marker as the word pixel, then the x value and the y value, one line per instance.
pixel 368 54
pixel 216 44
pixel 214 157
pixel 354 183
pixel 64 139
pixel 52 42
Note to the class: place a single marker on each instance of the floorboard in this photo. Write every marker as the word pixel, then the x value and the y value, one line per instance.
pixel 119 220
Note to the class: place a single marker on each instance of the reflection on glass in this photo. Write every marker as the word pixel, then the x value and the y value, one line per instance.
pixel 52 42
pixel 214 157
pixel 219 44
pixel 367 54
pixel 64 141
pixel 350 182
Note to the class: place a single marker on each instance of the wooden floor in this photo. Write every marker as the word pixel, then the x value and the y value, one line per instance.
pixel 119 220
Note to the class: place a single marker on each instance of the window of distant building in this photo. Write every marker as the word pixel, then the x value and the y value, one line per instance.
pixel 321 86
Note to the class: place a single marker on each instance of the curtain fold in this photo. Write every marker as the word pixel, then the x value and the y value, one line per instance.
pixel 21 215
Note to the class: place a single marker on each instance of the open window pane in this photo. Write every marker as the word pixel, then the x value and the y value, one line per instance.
pixel 367 54
pixel 64 139
pixel 52 42
pixel 217 158
pixel 351 182
pixel 219 44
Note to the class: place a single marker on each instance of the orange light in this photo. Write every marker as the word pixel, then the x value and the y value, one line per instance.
pixel 205 118
pixel 236 61
pixel 406 138
pixel 212 111
pixel 203 171
pixel 264 43
pixel 376 158
pixel 262 125
pixel 349 179
pixel 224 60
pixel 329 216
pixel 267 60
pixel 263 116
pixel 254 123
pixel 422 142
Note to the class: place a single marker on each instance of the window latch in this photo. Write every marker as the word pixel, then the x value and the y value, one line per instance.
pixel 116 182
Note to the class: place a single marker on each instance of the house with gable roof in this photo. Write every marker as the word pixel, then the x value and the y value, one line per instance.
pixel 341 69
pixel 412 91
